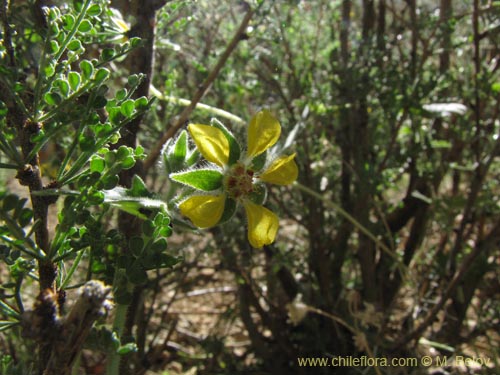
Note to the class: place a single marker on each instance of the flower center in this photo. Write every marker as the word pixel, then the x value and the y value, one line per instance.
pixel 239 181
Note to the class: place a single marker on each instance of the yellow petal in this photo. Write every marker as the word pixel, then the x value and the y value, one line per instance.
pixel 282 171
pixel 263 132
pixel 211 142
pixel 203 210
pixel 262 224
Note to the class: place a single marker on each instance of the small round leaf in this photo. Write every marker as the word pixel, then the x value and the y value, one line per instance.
pixel 97 164
pixel 75 45
pixel 87 69
pixel 94 10
pixel 74 80
pixel 85 26
pixel 127 108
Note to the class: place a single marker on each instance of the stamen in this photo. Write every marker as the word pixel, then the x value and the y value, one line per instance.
pixel 239 181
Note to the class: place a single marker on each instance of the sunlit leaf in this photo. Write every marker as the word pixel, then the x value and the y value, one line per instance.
pixel 121 199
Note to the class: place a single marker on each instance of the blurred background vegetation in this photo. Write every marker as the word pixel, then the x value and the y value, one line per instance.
pixel 388 245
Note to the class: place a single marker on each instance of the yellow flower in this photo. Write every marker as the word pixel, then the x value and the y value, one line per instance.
pixel 283 171
pixel 204 211
pixel 263 132
pixel 211 142
pixel 241 178
pixel 262 224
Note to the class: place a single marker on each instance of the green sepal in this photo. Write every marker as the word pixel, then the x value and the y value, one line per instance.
pixel 193 158
pixel 259 161
pixel 201 179
pixel 259 195
pixel 180 148
pixel 165 153
pixel 234 147
pixel 229 210
pixel 175 153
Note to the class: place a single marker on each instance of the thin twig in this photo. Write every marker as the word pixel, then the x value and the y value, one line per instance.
pixel 490 241
pixel 180 121
pixel 7 31
pixel 185 103
pixel 480 171
pixel 402 268
pixel 354 330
